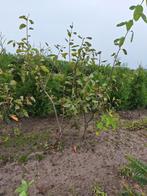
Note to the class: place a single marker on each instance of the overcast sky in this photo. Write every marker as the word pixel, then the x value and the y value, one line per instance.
pixel 96 18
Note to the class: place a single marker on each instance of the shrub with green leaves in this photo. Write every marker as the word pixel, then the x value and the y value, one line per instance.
pixel 138 90
pixel 75 81
pixel 106 122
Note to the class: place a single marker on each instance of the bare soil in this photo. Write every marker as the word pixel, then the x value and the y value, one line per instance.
pixel 72 166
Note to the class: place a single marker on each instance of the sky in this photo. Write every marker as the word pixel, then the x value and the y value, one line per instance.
pixel 95 18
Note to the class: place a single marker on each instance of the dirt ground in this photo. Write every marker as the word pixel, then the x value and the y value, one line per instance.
pixel 71 167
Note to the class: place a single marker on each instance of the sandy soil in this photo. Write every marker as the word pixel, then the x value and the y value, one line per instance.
pixel 80 165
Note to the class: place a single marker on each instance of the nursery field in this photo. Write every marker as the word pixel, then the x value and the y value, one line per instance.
pixel 72 123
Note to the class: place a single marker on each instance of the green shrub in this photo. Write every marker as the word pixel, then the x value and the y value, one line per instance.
pixel 138 90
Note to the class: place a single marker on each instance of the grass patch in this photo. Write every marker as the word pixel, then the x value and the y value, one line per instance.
pixel 136 124
pixel 28 146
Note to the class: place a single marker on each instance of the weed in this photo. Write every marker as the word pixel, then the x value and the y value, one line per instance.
pixel 23 189
pixel 107 121
pixel 136 125
pixel 23 159
pixel 97 191
pixel 17 131
pixel 137 171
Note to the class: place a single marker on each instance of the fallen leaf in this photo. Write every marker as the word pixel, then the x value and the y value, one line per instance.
pixel 14 117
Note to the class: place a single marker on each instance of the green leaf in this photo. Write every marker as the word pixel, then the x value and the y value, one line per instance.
pixel 13 83
pixel 124 51
pixel 14 44
pixel 79 37
pixel 144 18
pixel 22 26
pixel 9 42
pixel 121 24
pixel 113 54
pixel 69 33
pixel 31 21
pixel 23 17
pixel 88 44
pixel 138 12
pixel 23 194
pixel 100 52
pixel 25 113
pixel 44 68
pixel 121 41
pixel 104 61
pixel 129 24
pixel 46 44
pixel 71 43
pixel 64 55
pixel 116 41
pixel 132 7
pixel 71 26
pixel 90 38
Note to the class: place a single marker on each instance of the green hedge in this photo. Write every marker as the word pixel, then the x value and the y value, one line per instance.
pixel 129 87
